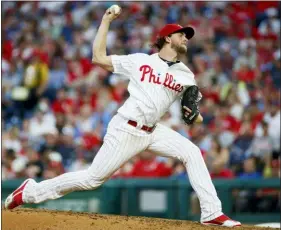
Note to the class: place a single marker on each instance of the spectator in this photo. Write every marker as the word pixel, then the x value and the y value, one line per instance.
pixel 11 78
pixel 271 24
pixel 148 166
pixel 240 146
pixel 34 166
pixel 35 81
pixel 8 157
pixel 247 199
pixel 66 146
pixel 50 142
pixel 54 165
pixel 11 140
pixel 217 160
pixel 62 103
pixel 40 124
pixel 179 171
pixel 261 146
pixel 57 78
pixel 269 199
pixel 250 169
pixel 273 119
pixel 248 55
pixel 275 70
pixel 236 106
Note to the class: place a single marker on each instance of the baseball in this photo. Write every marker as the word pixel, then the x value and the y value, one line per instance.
pixel 115 9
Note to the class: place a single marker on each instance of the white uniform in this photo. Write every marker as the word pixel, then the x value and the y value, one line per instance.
pixel 153 87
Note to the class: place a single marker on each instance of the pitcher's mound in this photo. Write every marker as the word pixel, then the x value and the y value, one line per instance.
pixel 38 219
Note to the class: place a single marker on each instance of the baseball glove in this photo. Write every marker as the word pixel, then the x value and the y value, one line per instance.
pixel 190 99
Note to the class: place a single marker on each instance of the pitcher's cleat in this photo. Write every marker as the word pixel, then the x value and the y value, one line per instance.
pixel 15 199
pixel 223 220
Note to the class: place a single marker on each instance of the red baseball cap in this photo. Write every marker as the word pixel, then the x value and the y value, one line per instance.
pixel 175 28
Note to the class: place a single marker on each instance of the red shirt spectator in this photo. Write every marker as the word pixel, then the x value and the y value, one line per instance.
pixel 62 104
pixel 148 166
pixel 245 74
pixel 90 141
pixel 261 6
pixel 211 94
pixel 7 50
pixel 227 122
pixel 257 118
pixel 230 123
pixel 225 173
pixel 86 65
pixel 265 55
pixel 86 99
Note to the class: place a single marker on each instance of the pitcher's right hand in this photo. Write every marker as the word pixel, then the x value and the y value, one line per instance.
pixel 112 13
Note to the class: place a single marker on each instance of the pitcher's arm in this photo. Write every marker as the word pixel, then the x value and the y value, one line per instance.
pixel 99 45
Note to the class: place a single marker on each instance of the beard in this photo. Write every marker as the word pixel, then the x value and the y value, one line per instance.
pixel 180 49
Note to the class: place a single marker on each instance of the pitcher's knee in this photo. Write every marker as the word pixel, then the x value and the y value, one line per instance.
pixel 196 150
pixel 95 181
pixel 191 152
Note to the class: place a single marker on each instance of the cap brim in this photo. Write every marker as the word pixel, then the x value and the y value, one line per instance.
pixel 189 32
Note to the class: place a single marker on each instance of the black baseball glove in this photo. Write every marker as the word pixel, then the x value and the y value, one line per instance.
pixel 190 99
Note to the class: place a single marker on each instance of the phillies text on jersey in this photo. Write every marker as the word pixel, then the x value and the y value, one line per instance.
pixel 153 85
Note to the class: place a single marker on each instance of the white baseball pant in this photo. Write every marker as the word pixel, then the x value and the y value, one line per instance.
pixel 121 142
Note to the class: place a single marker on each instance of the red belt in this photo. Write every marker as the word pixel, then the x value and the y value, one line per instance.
pixel 145 128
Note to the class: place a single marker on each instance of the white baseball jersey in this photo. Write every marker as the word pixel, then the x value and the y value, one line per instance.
pixel 153 85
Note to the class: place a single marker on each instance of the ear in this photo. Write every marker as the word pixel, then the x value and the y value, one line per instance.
pixel 168 39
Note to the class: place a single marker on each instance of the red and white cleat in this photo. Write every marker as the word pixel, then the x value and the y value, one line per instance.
pixel 15 199
pixel 223 220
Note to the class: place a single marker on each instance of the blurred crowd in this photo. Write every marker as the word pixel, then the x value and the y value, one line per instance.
pixel 56 105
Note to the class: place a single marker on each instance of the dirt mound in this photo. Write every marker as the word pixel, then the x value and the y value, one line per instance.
pixel 33 219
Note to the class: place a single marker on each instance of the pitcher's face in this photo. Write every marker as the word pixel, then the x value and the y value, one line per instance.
pixel 179 42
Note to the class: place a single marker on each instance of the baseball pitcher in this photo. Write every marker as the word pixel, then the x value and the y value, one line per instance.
pixel 155 82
